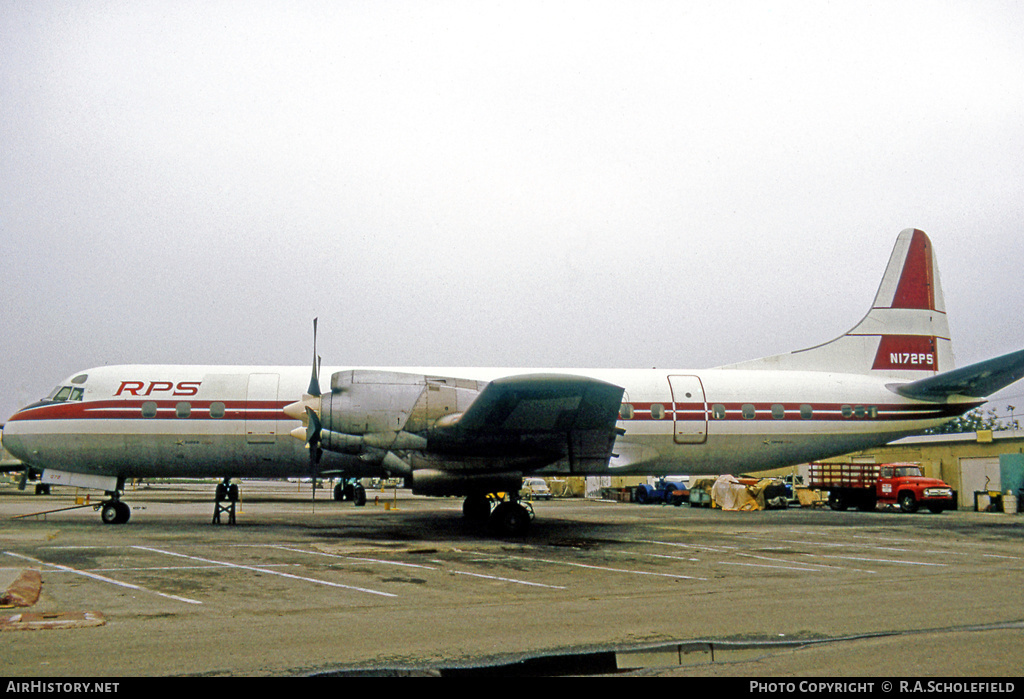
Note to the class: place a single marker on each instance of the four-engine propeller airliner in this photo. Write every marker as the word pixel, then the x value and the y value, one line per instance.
pixel 476 432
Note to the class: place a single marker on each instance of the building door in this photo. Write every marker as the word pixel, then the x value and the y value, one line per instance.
pixel 978 475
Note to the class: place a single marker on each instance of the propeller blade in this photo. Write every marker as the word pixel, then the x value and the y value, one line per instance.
pixel 313 428
pixel 313 442
pixel 314 379
pixel 310 402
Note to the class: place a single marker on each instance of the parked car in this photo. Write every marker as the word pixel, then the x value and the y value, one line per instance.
pixel 535 489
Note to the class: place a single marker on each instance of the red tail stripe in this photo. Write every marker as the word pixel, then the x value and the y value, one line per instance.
pixel 916 288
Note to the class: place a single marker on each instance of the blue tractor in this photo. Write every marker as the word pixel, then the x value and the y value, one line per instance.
pixel 665 491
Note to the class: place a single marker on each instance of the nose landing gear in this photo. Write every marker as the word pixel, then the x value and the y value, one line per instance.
pixel 227 492
pixel 113 511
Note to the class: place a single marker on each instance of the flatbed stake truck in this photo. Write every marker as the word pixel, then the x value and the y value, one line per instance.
pixel 865 486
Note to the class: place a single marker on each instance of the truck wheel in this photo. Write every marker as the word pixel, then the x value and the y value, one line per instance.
pixel 907 503
pixel 640 495
pixel 837 502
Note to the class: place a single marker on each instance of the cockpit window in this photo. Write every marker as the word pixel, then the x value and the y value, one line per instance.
pixel 80 379
pixel 64 393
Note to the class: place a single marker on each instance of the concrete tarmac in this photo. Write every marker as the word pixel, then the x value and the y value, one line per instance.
pixel 405 586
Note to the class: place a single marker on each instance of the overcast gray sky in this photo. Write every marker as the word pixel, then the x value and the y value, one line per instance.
pixel 674 184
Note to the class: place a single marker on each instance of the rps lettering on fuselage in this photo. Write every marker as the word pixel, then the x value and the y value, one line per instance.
pixel 135 388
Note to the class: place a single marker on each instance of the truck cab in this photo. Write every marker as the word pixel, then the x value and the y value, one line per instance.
pixel 906 486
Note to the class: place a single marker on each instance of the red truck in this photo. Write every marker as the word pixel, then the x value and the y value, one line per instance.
pixel 865 486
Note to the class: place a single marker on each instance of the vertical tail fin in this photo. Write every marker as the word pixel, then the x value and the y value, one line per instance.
pixel 905 335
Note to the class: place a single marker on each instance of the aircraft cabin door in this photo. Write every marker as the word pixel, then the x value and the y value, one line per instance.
pixel 261 409
pixel 689 410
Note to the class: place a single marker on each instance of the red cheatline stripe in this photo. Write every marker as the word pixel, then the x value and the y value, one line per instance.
pixel 166 409
pixel 273 410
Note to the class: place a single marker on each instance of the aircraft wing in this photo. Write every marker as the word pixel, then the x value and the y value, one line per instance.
pixel 545 415
pixel 974 381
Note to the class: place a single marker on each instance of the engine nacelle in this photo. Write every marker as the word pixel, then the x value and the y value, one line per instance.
pixel 368 401
pixel 442 483
pixel 359 443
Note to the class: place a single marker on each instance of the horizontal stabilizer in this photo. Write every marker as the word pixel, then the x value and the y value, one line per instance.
pixel 974 381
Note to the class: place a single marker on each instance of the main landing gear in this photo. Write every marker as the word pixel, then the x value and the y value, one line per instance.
pixel 509 517
pixel 351 489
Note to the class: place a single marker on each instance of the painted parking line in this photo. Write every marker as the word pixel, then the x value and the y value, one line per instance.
pixel 891 561
pixel 793 568
pixel 267 571
pixel 864 558
pixel 102 578
pixel 606 569
pixel 514 581
pixel 871 545
pixel 384 561
pixel 770 562
pixel 361 559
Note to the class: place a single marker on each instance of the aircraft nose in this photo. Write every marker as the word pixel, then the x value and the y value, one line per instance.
pixel 11 443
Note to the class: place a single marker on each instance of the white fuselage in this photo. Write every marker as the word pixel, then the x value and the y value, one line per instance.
pixel 141 421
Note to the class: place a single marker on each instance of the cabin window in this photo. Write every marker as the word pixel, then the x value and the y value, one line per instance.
pixel 859 411
pixel 778 411
pixel 217 410
pixel 873 411
pixel 847 411
pixel 626 411
pixel 718 411
pixel 806 412
pixel 183 410
pixel 658 411
pixel 149 408
pixel 749 413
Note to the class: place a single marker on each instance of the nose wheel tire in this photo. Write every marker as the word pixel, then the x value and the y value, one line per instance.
pixel 115 512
